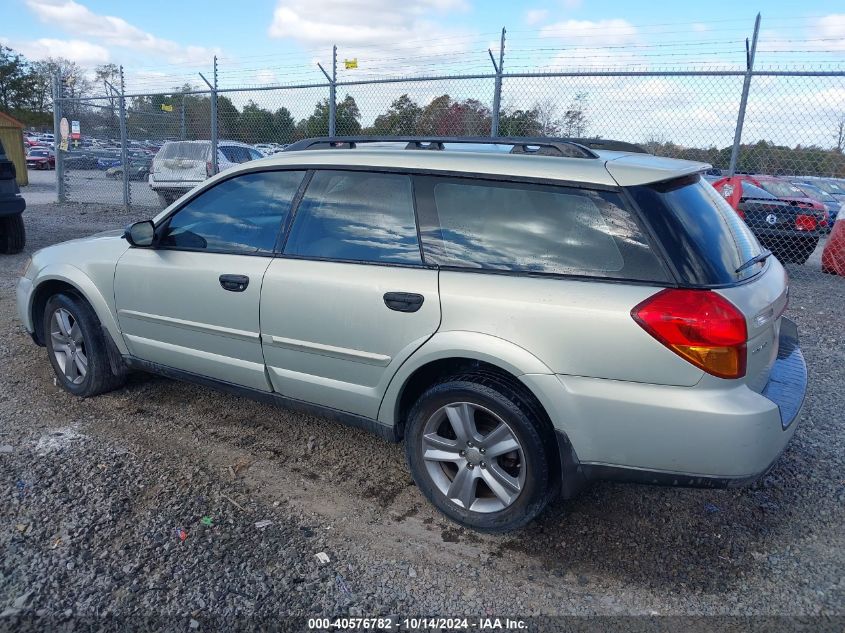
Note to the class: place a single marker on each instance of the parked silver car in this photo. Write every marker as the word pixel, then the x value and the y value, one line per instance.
pixel 179 166
pixel 526 315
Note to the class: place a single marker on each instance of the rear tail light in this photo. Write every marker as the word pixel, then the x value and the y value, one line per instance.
pixel 700 326
pixel 805 222
pixel 209 169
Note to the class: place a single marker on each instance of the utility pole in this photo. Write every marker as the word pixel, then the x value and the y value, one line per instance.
pixel 497 90
pixel 743 101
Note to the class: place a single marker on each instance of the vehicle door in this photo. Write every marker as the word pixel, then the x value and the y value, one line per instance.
pixel 350 298
pixel 191 302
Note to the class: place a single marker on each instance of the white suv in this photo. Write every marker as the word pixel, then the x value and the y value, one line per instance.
pixel 179 166
pixel 524 319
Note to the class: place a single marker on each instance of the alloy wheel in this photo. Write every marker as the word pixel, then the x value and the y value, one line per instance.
pixel 68 346
pixel 473 457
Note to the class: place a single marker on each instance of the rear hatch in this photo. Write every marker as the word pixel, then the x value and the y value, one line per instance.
pixel 181 162
pixel 710 246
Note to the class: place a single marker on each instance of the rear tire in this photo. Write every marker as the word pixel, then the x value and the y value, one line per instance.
pixel 494 475
pixel 12 234
pixel 76 347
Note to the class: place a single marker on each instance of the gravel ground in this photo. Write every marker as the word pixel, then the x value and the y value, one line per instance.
pixel 104 501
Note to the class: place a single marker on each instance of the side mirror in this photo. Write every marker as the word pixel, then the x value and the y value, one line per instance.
pixel 140 234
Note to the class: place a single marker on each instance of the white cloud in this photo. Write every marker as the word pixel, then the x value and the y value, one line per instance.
pixel 79 51
pixel 832 28
pixel 589 33
pixel 571 4
pixel 79 20
pixel 699 27
pixel 535 16
pixel 365 22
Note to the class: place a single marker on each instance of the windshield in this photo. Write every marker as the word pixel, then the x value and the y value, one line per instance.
pixel 782 189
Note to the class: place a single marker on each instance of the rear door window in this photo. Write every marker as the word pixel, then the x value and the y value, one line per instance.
pixel 356 216
pixel 522 227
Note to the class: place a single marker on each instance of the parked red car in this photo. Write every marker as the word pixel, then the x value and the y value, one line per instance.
pixel 786 191
pixel 833 255
pixel 790 228
pixel 41 158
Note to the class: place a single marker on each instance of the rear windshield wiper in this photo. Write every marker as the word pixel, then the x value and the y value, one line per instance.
pixel 754 260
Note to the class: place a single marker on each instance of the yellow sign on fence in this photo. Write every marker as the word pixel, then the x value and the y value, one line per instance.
pixel 351 63
pixel 167 107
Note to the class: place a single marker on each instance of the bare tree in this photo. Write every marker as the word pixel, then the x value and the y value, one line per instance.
pixel 575 117
pixel 547 117
pixel 840 134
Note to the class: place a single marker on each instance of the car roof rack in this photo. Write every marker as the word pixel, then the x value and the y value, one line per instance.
pixel 545 146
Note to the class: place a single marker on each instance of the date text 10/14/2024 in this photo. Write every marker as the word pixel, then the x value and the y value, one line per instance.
pixel 397 623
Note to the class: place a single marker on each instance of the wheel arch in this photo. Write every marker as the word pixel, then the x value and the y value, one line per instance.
pixel 65 278
pixel 451 353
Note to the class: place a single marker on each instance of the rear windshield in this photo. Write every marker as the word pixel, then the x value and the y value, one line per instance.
pixel 184 149
pixel 703 236
pixel 782 189
pixel 752 191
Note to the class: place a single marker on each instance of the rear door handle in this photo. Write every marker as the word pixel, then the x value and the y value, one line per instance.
pixel 403 301
pixel 234 283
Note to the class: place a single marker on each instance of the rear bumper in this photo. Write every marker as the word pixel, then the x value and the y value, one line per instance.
pixel 703 436
pixel 173 185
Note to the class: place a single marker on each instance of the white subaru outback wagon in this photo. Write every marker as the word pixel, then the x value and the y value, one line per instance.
pixel 524 314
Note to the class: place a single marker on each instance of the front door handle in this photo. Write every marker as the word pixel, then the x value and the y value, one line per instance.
pixel 403 301
pixel 234 283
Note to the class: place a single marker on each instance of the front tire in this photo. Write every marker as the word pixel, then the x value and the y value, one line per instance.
pixel 481 453
pixel 12 234
pixel 76 347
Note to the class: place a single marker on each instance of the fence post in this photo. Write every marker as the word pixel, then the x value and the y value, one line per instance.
pixel 497 89
pixel 61 195
pixel 332 91
pixel 124 153
pixel 182 120
pixel 213 88
pixel 333 95
pixel 743 101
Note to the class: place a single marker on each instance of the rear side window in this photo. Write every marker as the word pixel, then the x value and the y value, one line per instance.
pixel 532 228
pixel 705 238
pixel 241 215
pixel 235 153
pixel 356 216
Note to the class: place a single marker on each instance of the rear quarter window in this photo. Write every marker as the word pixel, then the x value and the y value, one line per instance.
pixel 532 228
pixel 704 237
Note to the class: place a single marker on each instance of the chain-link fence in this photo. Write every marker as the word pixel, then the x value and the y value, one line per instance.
pixel 774 137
